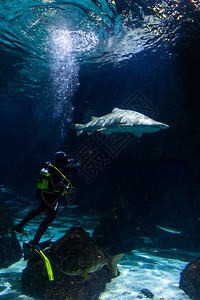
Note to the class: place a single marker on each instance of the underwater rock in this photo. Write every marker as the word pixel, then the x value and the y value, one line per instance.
pixel 6 221
pixel 190 280
pixel 69 250
pixel 10 250
pixel 117 230
pixel 117 239
pixel 107 232
pixel 147 293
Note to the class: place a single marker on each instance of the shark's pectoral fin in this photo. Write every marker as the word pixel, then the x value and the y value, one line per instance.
pixel 138 134
pixel 103 130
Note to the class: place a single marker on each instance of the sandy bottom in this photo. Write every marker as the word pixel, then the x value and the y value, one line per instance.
pixel 141 271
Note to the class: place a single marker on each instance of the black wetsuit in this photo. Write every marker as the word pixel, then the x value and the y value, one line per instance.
pixel 49 198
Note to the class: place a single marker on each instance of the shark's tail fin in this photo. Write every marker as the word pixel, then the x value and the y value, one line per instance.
pixel 113 263
pixel 76 127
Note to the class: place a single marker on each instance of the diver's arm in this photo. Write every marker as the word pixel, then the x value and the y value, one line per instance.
pixel 73 164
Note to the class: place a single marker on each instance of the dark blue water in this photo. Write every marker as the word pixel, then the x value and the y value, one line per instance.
pixel 65 61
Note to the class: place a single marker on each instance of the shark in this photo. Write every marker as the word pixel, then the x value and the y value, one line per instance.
pixel 119 121
pixel 170 230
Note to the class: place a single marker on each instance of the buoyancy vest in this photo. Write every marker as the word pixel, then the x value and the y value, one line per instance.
pixel 44 181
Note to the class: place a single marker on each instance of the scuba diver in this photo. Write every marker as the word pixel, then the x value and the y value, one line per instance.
pixel 52 185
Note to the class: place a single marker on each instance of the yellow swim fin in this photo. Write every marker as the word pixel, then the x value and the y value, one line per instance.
pixel 47 264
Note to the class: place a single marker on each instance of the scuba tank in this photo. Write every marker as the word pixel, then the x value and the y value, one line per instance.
pixel 43 182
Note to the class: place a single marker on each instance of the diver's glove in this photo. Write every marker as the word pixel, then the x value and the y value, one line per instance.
pixel 74 163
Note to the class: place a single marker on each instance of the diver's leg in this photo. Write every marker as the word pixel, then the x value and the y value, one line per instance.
pixel 51 214
pixel 34 213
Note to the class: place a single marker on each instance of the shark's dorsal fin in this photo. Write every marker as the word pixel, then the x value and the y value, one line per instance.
pixel 93 118
pixel 115 109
